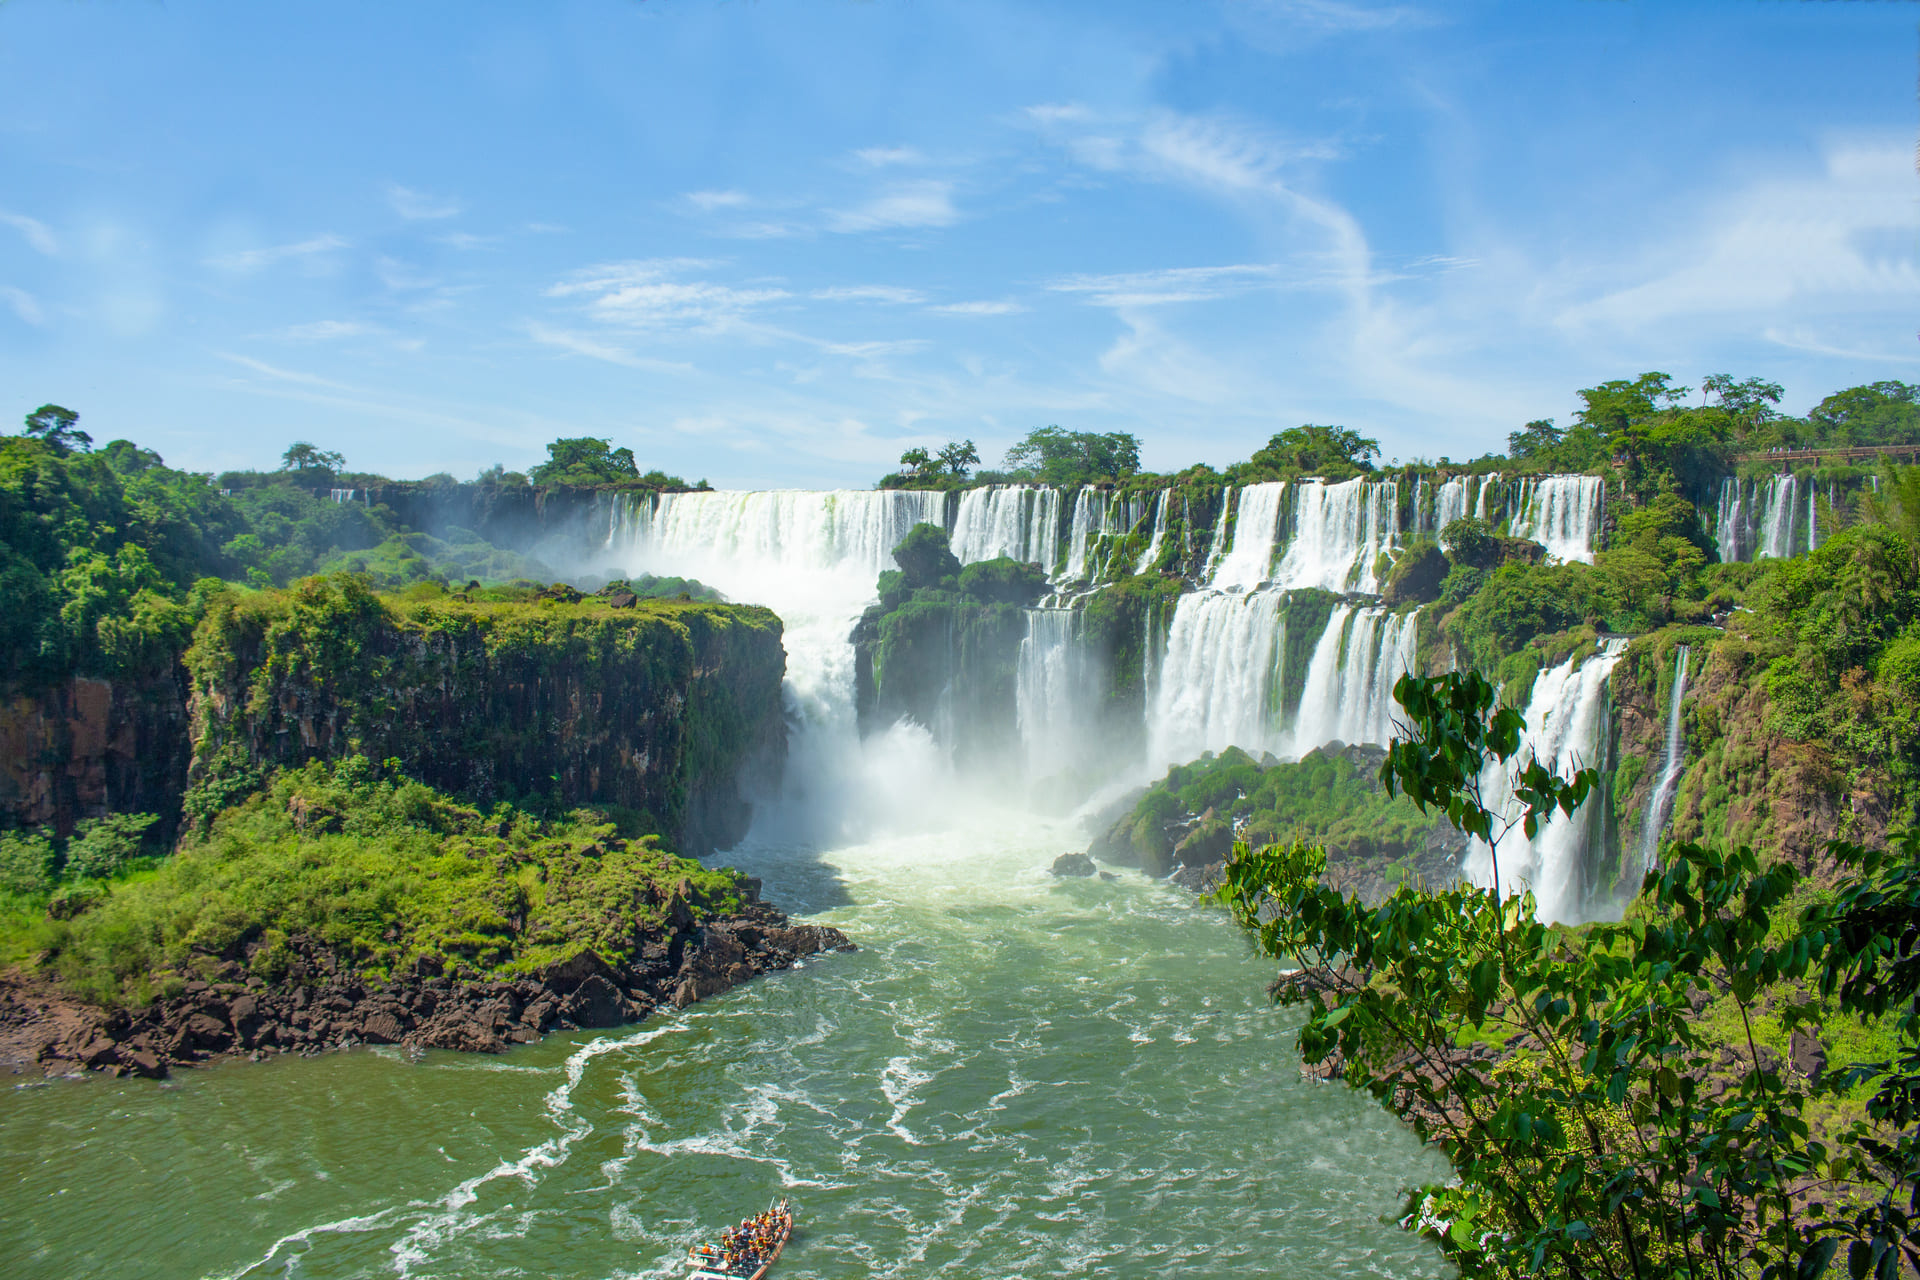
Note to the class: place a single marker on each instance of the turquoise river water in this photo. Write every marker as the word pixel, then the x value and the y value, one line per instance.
pixel 1015 1076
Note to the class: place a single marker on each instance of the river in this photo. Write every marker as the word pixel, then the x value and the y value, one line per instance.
pixel 1015 1076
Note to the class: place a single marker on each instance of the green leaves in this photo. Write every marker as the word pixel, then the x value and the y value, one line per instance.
pixel 1592 1146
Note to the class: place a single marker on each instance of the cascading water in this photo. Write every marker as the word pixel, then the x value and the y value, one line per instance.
pixel 1250 559
pixel 1766 519
pixel 813 558
pixel 1568 728
pixel 1660 802
pixel 1007 520
pixel 1349 688
pixel 1218 678
pixel 1056 685
pixel 1159 535
pixel 1339 531
pixel 1562 513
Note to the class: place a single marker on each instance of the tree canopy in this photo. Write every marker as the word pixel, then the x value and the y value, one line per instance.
pixel 1312 449
pixel 585 460
pixel 1055 456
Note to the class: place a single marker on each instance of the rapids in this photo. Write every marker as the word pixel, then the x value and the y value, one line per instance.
pixel 1015 1076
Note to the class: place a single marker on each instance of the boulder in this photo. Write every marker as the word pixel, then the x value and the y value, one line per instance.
pixel 382 1028
pixel 1073 864
pixel 595 1003
pixel 1808 1055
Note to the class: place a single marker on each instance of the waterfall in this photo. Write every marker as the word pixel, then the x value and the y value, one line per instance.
pixel 1453 501
pixel 1766 519
pixel 1733 530
pixel 1776 520
pixel 1339 531
pixel 1660 802
pixel 1008 520
pixel 812 557
pixel 342 495
pixel 1561 513
pixel 1348 696
pixel 1219 682
pixel 1250 559
pixel 1056 692
pixel 1152 552
pixel 1568 728
pixel 1217 543
pixel 1218 677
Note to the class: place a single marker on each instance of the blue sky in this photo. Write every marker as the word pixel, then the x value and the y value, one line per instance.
pixel 776 243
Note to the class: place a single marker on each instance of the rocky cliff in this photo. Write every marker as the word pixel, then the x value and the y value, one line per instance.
pixel 663 707
pixel 84 748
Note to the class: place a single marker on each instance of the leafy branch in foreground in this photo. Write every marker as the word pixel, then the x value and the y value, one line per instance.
pixel 1607 1140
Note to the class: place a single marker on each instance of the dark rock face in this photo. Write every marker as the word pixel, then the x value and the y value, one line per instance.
pixel 1073 864
pixel 85 748
pixel 320 1007
pixel 672 711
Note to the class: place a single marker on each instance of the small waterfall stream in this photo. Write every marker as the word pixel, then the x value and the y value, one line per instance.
pixel 1660 802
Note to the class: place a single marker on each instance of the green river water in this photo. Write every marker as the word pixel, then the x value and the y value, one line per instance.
pixel 1015 1076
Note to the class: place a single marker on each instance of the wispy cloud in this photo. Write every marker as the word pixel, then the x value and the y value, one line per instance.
pixel 467 241
pixel 1169 284
pixel 418 206
pixel 34 230
pixel 869 293
pixel 710 200
pixel 23 304
pixel 581 344
pixel 881 157
pixel 979 308
pixel 642 295
pixel 912 204
pixel 1842 238
pixel 1332 16
pixel 281 375
pixel 327 331
pixel 255 259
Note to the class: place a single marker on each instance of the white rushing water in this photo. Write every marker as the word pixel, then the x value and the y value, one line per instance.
pixel 1774 518
pixel 1567 729
pixel 1220 680
pixel 1250 558
pixel 1562 513
pixel 1339 532
pixel 1673 763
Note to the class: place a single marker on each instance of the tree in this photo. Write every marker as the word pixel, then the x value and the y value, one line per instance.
pixel 1538 437
pixel 958 458
pixel 916 461
pixel 55 425
pixel 306 461
pixel 1066 458
pixel 1751 400
pixel 1314 449
pixel 1598 1149
pixel 585 460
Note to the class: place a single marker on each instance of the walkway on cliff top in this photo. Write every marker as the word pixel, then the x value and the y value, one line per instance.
pixel 1909 451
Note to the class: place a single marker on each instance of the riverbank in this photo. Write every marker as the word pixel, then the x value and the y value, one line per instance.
pixel 322 1006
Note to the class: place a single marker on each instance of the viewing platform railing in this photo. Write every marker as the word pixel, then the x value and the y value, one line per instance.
pixel 1907 451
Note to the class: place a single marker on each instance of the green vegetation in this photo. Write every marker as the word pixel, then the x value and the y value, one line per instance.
pixel 949 468
pixel 1597 1147
pixel 372 866
pixel 1326 798
pixel 943 643
pixel 1068 459
pixel 587 462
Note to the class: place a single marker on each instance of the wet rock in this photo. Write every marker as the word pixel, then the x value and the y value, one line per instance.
pixel 1073 864
pixel 382 1028
pixel 1808 1055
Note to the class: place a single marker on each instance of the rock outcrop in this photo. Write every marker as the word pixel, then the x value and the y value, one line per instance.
pixel 320 1006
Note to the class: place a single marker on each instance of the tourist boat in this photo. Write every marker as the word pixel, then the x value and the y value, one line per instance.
pixel 709 1264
